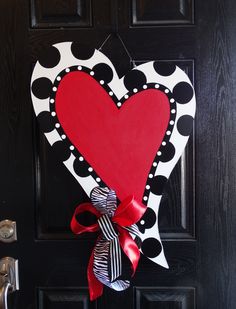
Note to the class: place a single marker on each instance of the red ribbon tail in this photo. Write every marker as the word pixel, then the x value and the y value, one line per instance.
pixel 95 286
pixel 129 247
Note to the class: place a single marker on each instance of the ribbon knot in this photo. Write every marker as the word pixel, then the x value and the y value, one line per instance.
pixel 116 225
pixel 107 228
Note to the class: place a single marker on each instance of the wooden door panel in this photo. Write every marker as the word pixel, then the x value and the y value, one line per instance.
pixel 54 298
pixel 151 12
pixel 52 14
pixel 165 298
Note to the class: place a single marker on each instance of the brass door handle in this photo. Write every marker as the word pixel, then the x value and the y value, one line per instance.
pixel 8 279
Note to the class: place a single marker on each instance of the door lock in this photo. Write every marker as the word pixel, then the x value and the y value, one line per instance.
pixel 8 231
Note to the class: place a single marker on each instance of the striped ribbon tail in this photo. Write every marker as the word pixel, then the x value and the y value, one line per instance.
pixel 115 259
pixel 111 235
pixel 133 229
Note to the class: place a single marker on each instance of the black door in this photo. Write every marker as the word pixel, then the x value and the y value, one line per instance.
pixel 197 211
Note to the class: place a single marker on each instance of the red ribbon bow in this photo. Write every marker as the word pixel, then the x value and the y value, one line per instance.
pixel 126 214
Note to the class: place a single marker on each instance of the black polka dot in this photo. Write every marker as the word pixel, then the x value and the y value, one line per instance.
pixel 151 247
pixel 42 87
pixel 50 57
pixel 164 68
pixel 62 151
pixel 149 219
pixel 185 125
pixel 183 92
pixel 46 121
pixel 81 51
pixel 157 184
pixel 134 79
pixel 168 152
pixel 103 72
pixel 81 168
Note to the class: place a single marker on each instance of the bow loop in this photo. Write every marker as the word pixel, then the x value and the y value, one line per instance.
pixel 78 228
pixel 116 224
pixel 104 200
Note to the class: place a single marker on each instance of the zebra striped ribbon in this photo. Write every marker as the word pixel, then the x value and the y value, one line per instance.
pixel 116 224
pixel 111 235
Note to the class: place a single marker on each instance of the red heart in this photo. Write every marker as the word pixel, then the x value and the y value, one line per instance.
pixel 120 144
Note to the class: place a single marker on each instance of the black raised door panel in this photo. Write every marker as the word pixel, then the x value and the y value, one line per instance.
pixel 54 13
pixel 197 213
pixel 158 12
pixel 64 298
pixel 165 298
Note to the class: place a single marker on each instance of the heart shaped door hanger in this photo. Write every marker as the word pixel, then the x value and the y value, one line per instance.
pixel 125 133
